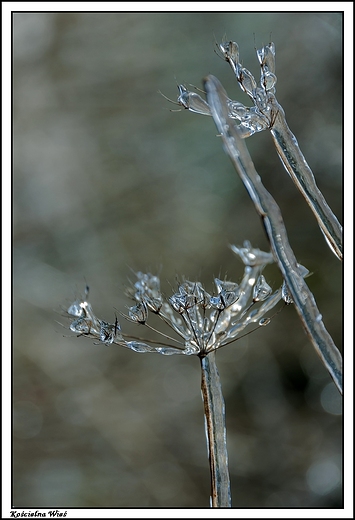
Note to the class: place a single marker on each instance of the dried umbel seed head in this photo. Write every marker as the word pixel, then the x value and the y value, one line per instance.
pixel 265 108
pixel 199 322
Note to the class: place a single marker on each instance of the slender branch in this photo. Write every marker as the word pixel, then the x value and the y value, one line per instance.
pixel 275 229
pixel 285 142
pixel 215 431
pixel 296 165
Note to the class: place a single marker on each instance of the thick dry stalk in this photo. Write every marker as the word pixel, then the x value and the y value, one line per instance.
pixel 275 229
pixel 296 165
pixel 215 431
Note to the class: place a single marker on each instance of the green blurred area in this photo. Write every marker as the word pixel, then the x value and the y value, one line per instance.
pixel 109 179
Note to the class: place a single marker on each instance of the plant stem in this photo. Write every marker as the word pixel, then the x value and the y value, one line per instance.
pixel 215 431
pixel 296 165
pixel 270 213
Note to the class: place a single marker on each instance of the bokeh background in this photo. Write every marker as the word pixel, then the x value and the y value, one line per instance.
pixel 107 179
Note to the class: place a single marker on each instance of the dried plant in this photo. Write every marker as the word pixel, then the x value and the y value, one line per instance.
pixel 267 113
pixel 199 324
pixel 195 322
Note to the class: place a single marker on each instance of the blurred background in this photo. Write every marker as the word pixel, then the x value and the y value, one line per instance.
pixel 108 180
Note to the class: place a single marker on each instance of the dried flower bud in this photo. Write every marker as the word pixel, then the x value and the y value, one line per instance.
pixel 252 256
pixel 261 290
pixel 138 313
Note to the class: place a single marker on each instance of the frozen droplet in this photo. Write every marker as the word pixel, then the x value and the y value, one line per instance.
pixel 80 326
pixel 217 302
pixel 286 295
pixel 110 332
pixel 76 309
pixel 247 81
pixel 193 101
pixel 266 57
pixel 260 99
pixel 198 105
pixel 169 351
pixel 245 132
pixel 253 313
pixel 237 110
pixel 190 349
pixel 138 313
pixel 225 285
pixel 252 256
pixel 264 321
pixel 225 298
pixel 234 331
pixel 222 322
pixel 230 51
pixel 261 289
pixel 268 80
pixel 137 346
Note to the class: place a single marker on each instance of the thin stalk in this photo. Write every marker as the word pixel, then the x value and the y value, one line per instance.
pixel 296 165
pixel 215 431
pixel 275 229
